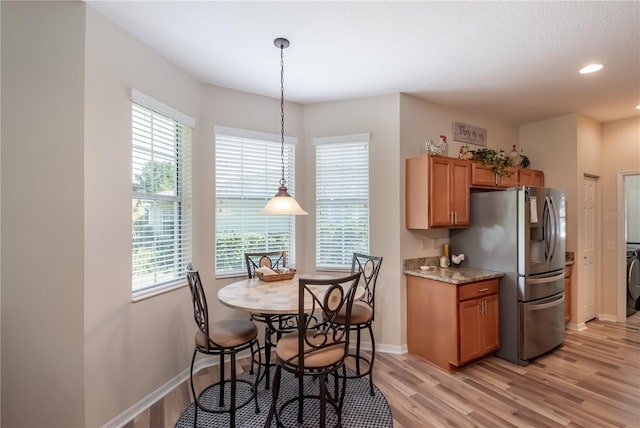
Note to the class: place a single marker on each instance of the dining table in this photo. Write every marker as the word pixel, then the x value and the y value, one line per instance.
pixel 268 299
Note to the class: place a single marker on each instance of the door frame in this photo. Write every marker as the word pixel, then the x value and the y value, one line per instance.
pixel 621 262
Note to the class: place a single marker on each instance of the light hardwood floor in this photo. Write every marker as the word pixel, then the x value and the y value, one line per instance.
pixel 591 381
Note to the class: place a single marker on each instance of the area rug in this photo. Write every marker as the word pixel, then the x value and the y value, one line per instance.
pixel 360 409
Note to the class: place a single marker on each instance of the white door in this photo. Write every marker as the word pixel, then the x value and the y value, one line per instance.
pixel 589 249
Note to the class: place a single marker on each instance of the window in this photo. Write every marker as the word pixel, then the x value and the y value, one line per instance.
pixel 342 199
pixel 160 205
pixel 248 171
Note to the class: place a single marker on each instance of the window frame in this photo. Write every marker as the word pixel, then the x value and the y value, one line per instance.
pixel 180 220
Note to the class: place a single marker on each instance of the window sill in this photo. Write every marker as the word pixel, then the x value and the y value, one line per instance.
pixel 143 295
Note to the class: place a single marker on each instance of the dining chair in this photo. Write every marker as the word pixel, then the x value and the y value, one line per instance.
pixel 220 338
pixel 318 347
pixel 270 259
pixel 273 324
pixel 363 312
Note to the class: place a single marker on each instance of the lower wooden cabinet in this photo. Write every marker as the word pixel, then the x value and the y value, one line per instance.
pixel 451 325
pixel 567 293
pixel 479 319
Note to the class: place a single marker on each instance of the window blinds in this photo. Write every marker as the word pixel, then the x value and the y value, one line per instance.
pixel 161 195
pixel 342 199
pixel 248 171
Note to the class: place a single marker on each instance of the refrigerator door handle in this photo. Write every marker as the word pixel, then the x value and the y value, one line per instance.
pixel 546 305
pixel 545 280
pixel 554 226
pixel 545 229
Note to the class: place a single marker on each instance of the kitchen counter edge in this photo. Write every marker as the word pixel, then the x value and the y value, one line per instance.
pixel 455 276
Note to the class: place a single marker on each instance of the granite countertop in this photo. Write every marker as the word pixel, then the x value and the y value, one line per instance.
pixel 451 275
pixel 459 275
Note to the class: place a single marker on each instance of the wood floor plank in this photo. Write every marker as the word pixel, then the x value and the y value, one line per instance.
pixel 593 380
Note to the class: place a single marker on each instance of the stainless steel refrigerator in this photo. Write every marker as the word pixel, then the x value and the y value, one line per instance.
pixel 521 232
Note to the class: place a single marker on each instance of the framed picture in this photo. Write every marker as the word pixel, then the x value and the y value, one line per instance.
pixel 469 134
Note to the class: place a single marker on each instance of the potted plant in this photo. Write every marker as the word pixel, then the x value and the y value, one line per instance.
pixel 498 160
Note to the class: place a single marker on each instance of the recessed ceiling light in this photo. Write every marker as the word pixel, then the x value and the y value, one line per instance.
pixel 591 68
pixel 638 107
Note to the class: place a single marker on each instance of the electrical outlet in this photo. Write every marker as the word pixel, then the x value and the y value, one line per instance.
pixel 427 244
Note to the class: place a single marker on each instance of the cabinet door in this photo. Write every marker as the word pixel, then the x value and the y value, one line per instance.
pixel 482 175
pixel 460 184
pixel 510 180
pixel 490 325
pixel 479 327
pixel 567 293
pixel 531 177
pixel 470 317
pixel 538 179
pixel 440 208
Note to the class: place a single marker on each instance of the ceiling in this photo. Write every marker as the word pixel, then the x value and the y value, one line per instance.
pixel 517 61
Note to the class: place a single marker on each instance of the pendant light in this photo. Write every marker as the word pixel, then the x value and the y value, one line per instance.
pixel 282 203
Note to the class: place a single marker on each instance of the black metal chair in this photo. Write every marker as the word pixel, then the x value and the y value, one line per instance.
pixel 273 324
pixel 222 338
pixel 363 312
pixel 319 346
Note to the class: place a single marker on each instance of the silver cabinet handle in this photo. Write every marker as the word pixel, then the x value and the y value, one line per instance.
pixel 482 290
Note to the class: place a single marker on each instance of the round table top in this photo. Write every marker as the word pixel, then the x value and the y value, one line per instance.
pixel 277 297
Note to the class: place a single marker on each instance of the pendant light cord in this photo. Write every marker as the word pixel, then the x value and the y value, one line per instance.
pixel 282 180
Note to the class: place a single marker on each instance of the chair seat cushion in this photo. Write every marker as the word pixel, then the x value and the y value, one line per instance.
pixel 287 350
pixel 228 334
pixel 360 313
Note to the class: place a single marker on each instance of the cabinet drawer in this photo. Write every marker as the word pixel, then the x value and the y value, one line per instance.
pixel 477 289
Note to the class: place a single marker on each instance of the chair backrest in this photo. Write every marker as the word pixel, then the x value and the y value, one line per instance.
pixel 270 259
pixel 369 266
pixel 328 297
pixel 200 309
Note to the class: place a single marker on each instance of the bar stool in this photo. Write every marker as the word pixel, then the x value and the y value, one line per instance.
pixel 221 338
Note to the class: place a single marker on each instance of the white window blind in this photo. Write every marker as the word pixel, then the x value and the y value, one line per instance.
pixel 342 199
pixel 161 199
pixel 248 171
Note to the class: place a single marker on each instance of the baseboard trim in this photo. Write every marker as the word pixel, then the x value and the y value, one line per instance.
pixel 607 317
pixel 148 401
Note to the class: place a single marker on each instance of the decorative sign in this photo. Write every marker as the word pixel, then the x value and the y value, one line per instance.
pixel 469 134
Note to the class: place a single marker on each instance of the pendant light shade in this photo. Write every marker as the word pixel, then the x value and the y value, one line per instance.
pixel 282 203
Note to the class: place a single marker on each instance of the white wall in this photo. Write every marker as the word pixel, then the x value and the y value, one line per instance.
pixel 131 349
pixel 0 222
pixel 42 214
pixel 380 117
pixel 620 154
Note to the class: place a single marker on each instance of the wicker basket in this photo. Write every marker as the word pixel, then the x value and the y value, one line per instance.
pixel 279 276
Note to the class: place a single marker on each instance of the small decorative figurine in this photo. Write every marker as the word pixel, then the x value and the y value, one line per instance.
pixel 462 154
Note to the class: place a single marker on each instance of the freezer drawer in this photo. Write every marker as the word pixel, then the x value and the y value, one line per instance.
pixel 539 286
pixel 541 326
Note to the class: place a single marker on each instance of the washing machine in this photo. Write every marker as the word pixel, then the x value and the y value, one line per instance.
pixel 633 278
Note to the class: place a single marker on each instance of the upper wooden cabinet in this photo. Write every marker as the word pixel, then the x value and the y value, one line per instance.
pixel 437 192
pixel 530 177
pixel 483 176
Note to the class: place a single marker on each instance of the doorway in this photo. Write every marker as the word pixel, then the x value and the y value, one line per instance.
pixel 628 196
